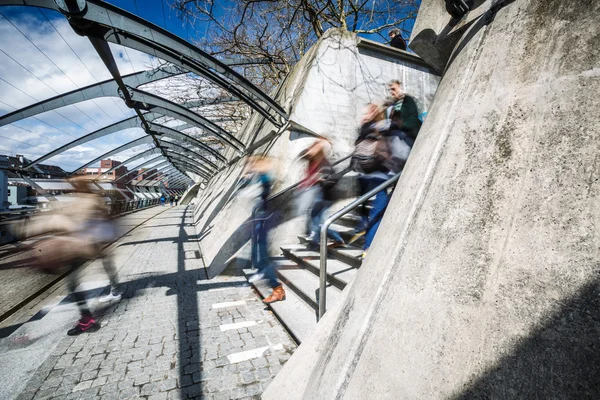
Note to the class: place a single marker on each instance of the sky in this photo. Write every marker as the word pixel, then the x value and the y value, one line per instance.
pixel 41 56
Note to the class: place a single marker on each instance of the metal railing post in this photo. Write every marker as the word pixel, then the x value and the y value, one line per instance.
pixel 323 239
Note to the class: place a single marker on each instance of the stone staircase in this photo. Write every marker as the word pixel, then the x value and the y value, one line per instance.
pixel 298 269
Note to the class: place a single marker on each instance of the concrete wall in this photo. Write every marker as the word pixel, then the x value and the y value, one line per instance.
pixel 324 94
pixel 483 280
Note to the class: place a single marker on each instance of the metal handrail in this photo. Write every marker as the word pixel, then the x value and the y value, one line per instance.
pixel 295 185
pixel 323 239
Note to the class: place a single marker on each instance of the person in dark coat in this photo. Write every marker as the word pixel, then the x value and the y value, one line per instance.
pixel 396 40
pixel 403 113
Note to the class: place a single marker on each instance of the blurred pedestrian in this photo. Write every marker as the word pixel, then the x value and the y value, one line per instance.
pixel 176 199
pixel 377 157
pixel 257 172
pixel 171 200
pixel 162 200
pixel 403 113
pixel 320 179
pixel 79 234
pixel 396 39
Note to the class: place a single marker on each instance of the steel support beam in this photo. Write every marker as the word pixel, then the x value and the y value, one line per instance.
pixel 157 129
pixel 144 154
pixel 126 146
pixel 163 164
pixel 187 152
pixel 186 165
pixel 106 88
pixel 142 165
pixel 160 167
pixel 128 123
pixel 188 160
pixel 148 101
pixel 164 171
pixel 110 23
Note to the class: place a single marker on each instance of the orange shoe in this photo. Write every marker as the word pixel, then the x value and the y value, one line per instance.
pixel 277 295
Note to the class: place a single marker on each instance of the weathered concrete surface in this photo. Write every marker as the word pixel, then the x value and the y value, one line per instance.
pixel 325 94
pixel 483 280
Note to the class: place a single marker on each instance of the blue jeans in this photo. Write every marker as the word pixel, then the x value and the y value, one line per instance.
pixel 260 250
pixel 378 206
pixel 316 220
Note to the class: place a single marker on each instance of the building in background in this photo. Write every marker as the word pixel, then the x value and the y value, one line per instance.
pixel 100 172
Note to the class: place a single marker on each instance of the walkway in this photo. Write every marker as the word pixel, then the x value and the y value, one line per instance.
pixel 175 335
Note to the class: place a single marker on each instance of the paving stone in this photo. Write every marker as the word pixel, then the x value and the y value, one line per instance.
pixel 149 389
pixel 159 396
pixel 88 375
pixel 248 377
pixel 82 386
pixel 45 393
pixel 168 384
pixel 26 395
pixel 144 348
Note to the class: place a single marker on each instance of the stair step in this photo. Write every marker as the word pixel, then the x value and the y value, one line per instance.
pixel 298 318
pixel 339 273
pixel 349 255
pixel 306 285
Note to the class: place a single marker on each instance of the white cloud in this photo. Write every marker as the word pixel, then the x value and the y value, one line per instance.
pixel 34 137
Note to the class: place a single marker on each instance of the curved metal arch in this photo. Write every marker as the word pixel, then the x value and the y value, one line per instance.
pixel 144 154
pixel 180 113
pixel 142 165
pixel 128 123
pixel 164 171
pixel 107 88
pixel 128 145
pixel 148 181
pixel 149 101
pixel 158 129
pixel 175 157
pixel 184 162
pixel 169 180
pixel 103 20
pixel 118 26
pixel 187 152
pixel 159 167
pixel 180 181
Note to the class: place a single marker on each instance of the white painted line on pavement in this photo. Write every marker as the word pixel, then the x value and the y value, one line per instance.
pixel 237 325
pixel 229 304
pixel 246 355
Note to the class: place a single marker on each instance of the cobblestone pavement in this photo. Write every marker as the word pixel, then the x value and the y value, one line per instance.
pixel 174 335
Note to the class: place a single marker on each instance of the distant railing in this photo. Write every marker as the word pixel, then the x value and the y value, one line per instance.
pixel 123 206
pixel 9 220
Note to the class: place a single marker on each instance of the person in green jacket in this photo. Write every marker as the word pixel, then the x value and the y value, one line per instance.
pixel 403 113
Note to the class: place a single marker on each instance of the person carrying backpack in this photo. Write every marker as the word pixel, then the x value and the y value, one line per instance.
pixel 378 155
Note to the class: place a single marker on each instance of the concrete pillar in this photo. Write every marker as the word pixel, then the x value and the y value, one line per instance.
pixel 483 279
pixel 3 190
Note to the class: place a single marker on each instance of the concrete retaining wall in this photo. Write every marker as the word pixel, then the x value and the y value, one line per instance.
pixel 324 94
pixel 483 279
